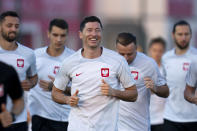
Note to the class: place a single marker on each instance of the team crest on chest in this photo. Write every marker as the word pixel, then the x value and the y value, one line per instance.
pixel 20 63
pixel 1 90
pixel 56 69
pixel 185 66
pixel 135 75
pixel 105 72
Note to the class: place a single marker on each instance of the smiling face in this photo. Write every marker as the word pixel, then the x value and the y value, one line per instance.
pixel 91 35
pixel 57 37
pixel 9 28
pixel 182 36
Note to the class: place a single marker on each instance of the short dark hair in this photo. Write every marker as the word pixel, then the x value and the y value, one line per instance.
pixel 158 40
pixel 59 23
pixel 89 19
pixel 8 13
pixel 126 38
pixel 181 23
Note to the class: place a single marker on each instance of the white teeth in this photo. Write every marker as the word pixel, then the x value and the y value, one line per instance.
pixel 92 39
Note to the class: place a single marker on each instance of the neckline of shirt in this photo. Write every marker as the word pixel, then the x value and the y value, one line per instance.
pixel 97 58
pixel 189 49
pixel 17 48
pixel 54 56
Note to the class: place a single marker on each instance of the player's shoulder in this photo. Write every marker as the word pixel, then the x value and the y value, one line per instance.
pixel 25 49
pixel 194 63
pixel 144 57
pixel 193 50
pixel 112 55
pixel 74 57
pixel 69 50
pixel 145 60
pixel 40 51
pixel 169 54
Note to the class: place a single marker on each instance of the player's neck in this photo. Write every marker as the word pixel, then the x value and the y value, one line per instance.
pixel 91 53
pixel 8 45
pixel 179 51
pixel 159 63
pixel 54 52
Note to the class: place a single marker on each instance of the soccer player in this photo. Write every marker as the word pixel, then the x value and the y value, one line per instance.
pixel 179 114
pixel 156 50
pixel 9 85
pixel 20 57
pixel 96 74
pixel 191 81
pixel 134 116
pixel 47 114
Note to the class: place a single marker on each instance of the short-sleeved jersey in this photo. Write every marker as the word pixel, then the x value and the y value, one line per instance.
pixel 94 111
pixel 40 102
pixel 134 116
pixel 177 109
pixel 157 105
pixel 24 62
pixel 9 84
pixel 191 77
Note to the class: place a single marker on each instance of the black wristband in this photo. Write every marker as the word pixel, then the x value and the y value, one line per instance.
pixel 50 86
pixel 13 116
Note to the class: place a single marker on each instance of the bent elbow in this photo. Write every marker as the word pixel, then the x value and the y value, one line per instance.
pixel 166 94
pixel 134 98
pixel 163 91
pixel 186 97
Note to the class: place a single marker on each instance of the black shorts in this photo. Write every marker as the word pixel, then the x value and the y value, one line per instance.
pixel 43 124
pixel 23 126
pixel 158 127
pixel 179 126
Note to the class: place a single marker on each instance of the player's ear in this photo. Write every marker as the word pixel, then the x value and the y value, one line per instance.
pixel 48 34
pixel 80 35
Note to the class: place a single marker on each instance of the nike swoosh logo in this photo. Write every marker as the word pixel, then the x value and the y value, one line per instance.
pixel 78 74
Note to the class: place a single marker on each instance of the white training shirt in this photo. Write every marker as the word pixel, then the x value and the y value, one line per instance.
pixel 177 109
pixel 95 112
pixel 23 60
pixel 191 77
pixel 40 102
pixel 134 116
pixel 157 105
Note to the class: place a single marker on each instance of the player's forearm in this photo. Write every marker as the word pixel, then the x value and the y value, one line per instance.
pixel 59 96
pixel 162 91
pixel 189 94
pixel 18 106
pixel 129 94
pixel 190 98
pixel 33 80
